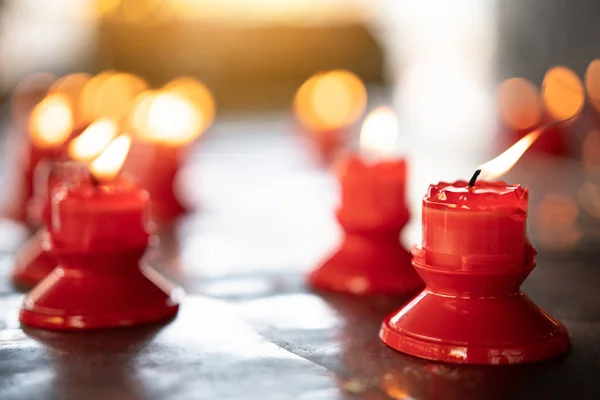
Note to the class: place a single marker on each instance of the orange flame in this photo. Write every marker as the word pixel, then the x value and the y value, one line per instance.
pixel 93 140
pixel 51 121
pixel 505 161
pixel 379 132
pixel 330 100
pixel 108 164
pixel 167 118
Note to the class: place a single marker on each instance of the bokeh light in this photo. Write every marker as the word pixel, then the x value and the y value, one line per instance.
pixel 519 104
pixel 166 118
pixel 93 140
pixel 51 122
pixel 330 100
pixel 111 94
pixel 379 132
pixel 198 95
pixel 563 93
pixel 557 222
pixel 72 86
pixel 592 83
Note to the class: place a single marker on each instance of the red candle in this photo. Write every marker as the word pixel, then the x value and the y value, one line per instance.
pixel 371 258
pixel 166 122
pixel 463 226
pixel 50 126
pixel 326 106
pixel 474 256
pixel 35 259
pixel 99 232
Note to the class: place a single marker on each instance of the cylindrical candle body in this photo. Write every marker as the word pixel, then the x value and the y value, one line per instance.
pixel 108 217
pixel 372 196
pixel 469 227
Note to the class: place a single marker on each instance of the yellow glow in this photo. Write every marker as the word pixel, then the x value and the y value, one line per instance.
pixel 72 87
pixel 196 93
pixel 330 100
pixel 108 164
pixel 111 94
pixel 505 161
pixel 168 119
pixel 51 122
pixel 379 132
pixel 563 93
pixel 105 7
pixel 138 116
pixel 519 103
pixel 93 140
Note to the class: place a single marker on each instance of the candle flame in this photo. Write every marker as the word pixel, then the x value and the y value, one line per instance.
pixel 379 132
pixel 93 140
pixel 330 100
pixel 51 121
pixel 108 164
pixel 505 161
pixel 168 118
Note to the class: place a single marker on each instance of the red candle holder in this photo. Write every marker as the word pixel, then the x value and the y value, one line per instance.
pixel 474 257
pixel 99 235
pixel 370 259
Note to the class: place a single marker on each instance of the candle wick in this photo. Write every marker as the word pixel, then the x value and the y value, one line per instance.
pixel 474 178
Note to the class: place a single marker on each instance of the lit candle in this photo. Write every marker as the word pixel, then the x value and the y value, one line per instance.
pixel 50 126
pixel 371 258
pixel 326 105
pixel 474 256
pixel 99 232
pixel 165 123
pixel 35 259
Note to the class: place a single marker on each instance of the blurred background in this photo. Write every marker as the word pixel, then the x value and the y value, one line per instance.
pixel 463 79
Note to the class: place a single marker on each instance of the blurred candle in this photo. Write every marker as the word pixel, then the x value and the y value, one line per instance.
pixel 326 106
pixel 50 126
pixel 371 258
pixel 165 123
pixel 35 260
pixel 99 232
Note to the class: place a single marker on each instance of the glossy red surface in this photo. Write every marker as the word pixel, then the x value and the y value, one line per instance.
pixel 370 259
pixel 472 310
pixel 33 261
pixel 99 235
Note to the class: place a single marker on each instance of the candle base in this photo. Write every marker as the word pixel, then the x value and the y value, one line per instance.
pixel 34 261
pixel 368 266
pixel 500 327
pixel 100 296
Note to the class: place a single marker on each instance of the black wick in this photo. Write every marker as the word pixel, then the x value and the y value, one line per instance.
pixel 474 178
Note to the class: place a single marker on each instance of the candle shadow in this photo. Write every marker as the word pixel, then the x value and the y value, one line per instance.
pixel 97 364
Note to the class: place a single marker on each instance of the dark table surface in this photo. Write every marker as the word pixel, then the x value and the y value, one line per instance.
pixel 250 329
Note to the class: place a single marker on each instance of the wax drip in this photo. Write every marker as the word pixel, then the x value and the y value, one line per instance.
pixel 474 178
